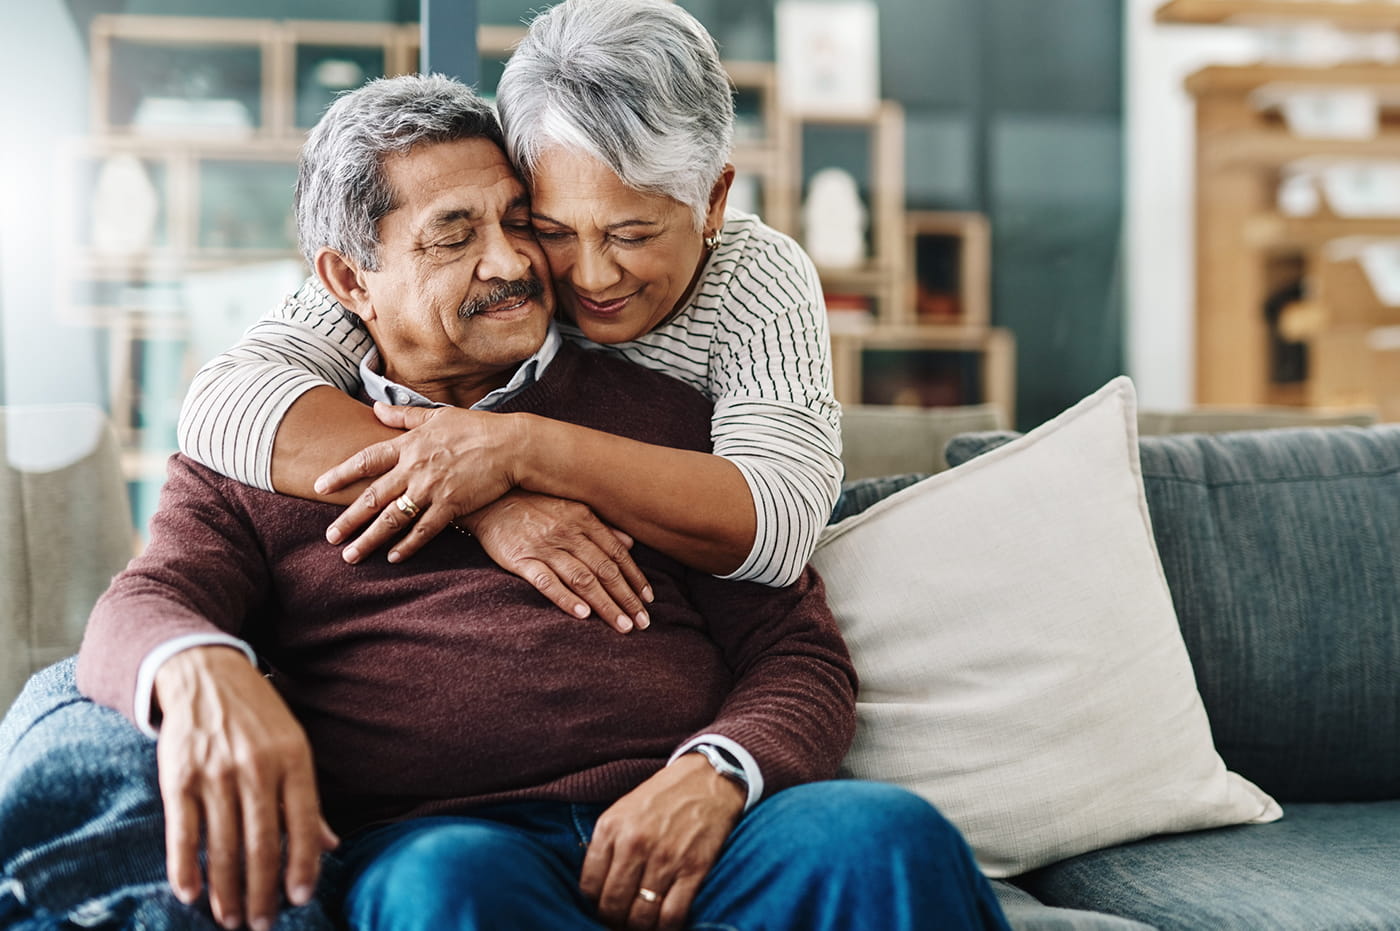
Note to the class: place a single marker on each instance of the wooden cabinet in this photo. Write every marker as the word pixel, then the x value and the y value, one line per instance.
pixel 1283 314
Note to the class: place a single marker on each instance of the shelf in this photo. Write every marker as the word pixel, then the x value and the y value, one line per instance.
pixel 1274 148
pixel 1366 15
pixel 1274 231
pixel 1242 79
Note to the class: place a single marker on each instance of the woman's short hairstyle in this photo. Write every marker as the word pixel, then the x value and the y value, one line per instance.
pixel 636 84
pixel 342 190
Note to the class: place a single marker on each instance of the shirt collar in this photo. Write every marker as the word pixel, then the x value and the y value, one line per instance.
pixel 379 388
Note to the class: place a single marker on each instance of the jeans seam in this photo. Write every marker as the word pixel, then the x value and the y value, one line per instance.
pixel 583 837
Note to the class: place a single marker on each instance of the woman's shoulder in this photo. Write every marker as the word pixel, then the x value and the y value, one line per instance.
pixel 760 272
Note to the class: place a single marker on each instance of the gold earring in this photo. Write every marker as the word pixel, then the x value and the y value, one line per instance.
pixel 713 240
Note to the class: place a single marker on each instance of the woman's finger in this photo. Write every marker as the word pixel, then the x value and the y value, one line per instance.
pixel 428 525
pixel 621 576
pixel 369 462
pixel 538 574
pixel 393 513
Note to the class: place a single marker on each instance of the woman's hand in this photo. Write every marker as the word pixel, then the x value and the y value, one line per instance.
pixel 450 463
pixel 565 551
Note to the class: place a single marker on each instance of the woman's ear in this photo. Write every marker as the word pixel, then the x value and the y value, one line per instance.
pixel 719 197
pixel 344 282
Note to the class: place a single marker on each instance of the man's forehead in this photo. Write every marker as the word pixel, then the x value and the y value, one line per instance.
pixel 443 183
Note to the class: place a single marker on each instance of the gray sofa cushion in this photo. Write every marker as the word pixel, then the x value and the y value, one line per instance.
pixel 1324 867
pixel 1280 550
pixel 1024 912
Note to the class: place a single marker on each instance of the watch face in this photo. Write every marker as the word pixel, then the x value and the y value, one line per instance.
pixel 724 763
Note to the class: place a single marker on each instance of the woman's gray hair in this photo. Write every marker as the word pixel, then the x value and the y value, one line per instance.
pixel 636 84
pixel 342 190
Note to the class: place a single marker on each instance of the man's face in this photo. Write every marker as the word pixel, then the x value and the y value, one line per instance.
pixel 463 290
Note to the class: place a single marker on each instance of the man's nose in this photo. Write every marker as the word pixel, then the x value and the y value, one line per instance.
pixel 501 258
pixel 594 271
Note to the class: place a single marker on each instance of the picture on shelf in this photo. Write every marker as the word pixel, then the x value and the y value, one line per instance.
pixel 828 57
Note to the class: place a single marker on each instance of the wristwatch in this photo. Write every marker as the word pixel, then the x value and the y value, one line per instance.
pixel 724 763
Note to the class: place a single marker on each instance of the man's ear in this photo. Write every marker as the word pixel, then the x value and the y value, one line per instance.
pixel 344 282
pixel 719 196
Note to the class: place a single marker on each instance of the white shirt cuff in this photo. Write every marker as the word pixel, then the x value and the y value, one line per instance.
pixel 146 674
pixel 746 762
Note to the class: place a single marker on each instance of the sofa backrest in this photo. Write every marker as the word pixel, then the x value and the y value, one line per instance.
pixel 65 530
pixel 1282 552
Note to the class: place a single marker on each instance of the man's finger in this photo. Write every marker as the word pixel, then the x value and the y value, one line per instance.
pixel 225 850
pixel 369 462
pixel 262 856
pixel 181 843
pixel 675 907
pixel 307 834
pixel 629 859
pixel 595 867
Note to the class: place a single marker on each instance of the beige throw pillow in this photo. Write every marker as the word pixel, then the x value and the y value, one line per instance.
pixel 1020 661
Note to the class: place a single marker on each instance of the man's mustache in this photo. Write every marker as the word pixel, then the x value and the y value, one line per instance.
pixel 505 291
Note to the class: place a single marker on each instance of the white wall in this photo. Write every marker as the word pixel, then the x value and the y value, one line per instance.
pixel 45 71
pixel 1160 195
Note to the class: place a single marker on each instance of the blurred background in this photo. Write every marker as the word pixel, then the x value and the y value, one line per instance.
pixel 1011 201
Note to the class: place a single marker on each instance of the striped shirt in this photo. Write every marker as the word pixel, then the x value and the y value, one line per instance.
pixel 752 337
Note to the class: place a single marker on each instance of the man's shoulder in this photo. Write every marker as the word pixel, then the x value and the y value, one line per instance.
pixel 635 380
pixel 607 392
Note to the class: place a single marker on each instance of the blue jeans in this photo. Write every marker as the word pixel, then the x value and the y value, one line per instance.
pixel 82 844
pixel 819 857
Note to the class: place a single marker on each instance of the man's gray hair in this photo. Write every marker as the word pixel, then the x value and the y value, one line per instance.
pixel 636 84
pixel 342 191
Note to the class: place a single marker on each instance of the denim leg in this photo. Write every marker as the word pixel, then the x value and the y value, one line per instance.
pixel 845 856
pixel 469 873
pixel 82 829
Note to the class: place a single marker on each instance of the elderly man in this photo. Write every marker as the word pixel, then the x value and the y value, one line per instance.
pixel 488 760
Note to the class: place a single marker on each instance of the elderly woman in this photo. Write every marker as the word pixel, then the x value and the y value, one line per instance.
pixel 619 116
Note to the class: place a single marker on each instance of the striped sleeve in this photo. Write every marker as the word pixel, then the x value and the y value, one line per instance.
pixel 791 459
pixel 238 399
pixel 776 416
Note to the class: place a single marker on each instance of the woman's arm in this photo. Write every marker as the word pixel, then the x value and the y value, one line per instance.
pixel 239 399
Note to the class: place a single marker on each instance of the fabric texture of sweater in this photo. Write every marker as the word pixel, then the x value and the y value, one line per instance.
pixel 446 682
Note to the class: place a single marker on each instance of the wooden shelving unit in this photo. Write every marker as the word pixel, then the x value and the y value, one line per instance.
pixel 1245 149
pixel 1367 16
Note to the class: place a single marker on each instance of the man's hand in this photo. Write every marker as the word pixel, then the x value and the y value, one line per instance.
pixel 234 761
pixel 565 551
pixel 662 836
pixel 450 463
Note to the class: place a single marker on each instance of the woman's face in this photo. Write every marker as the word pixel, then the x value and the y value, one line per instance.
pixel 622 260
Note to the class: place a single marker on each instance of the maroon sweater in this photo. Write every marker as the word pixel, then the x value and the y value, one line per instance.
pixel 447 682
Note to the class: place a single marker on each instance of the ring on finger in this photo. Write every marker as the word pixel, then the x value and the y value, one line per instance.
pixel 646 895
pixel 407 506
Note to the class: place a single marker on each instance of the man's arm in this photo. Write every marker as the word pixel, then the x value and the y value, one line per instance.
pixel 792 709
pixel 227 743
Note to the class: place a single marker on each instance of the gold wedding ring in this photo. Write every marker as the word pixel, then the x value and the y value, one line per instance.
pixel 646 895
pixel 405 503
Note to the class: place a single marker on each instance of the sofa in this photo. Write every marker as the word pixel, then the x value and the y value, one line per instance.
pixel 1156 680
pixel 1280 554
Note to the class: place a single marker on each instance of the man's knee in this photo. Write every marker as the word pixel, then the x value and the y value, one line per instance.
pixel 851 816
